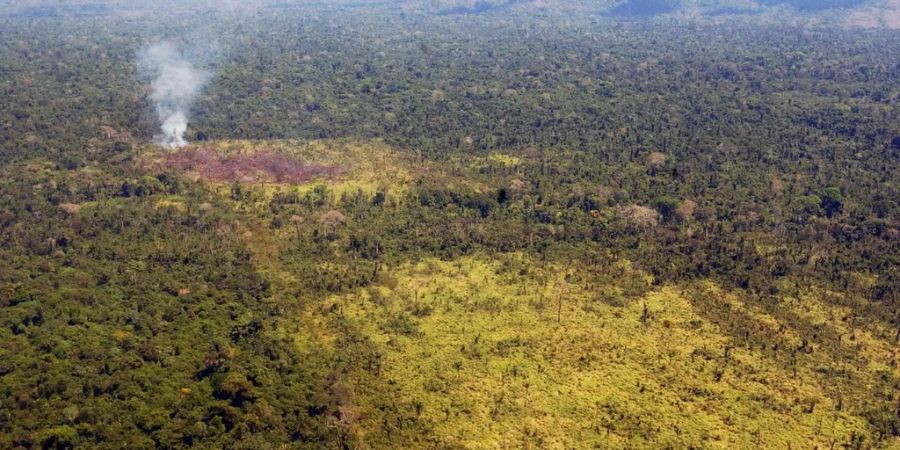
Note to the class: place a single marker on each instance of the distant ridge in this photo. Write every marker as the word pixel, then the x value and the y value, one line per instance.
pixel 643 8
pixel 815 5
pixel 480 7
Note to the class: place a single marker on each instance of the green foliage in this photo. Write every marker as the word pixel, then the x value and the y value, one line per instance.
pixel 810 204
pixel 832 201
pixel 486 268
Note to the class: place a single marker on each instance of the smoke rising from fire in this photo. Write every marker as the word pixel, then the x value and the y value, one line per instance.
pixel 175 83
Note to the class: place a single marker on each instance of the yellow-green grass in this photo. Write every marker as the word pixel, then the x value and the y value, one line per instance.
pixel 498 359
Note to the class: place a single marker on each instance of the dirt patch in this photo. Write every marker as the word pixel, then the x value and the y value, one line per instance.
pixel 264 165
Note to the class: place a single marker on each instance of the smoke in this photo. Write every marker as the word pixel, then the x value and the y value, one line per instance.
pixel 176 82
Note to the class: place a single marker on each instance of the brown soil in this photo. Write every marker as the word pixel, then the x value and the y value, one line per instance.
pixel 264 165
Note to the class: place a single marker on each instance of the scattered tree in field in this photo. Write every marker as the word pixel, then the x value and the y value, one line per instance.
pixel 298 222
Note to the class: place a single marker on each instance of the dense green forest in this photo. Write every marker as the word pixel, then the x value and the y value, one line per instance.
pixel 452 225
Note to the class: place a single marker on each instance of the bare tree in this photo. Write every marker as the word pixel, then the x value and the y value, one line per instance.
pixel 655 161
pixel 562 288
pixel 685 211
pixel 332 220
pixel 298 224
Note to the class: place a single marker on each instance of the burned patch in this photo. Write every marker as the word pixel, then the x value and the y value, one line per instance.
pixel 265 166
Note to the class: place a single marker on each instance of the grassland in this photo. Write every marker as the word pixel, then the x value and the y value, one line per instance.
pixel 504 353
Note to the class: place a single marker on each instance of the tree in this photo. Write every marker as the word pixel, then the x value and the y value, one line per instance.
pixel 298 224
pixel 638 216
pixel 667 207
pixel 655 160
pixel 685 211
pixel 562 288
pixel 811 204
pixel 332 220
pixel 832 201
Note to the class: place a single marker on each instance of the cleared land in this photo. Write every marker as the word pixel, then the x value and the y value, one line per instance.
pixel 510 351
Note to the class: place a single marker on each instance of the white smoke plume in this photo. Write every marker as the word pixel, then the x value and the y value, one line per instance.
pixel 176 82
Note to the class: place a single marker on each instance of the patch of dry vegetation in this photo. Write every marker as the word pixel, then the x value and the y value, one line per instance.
pixel 513 353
